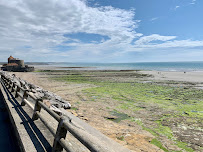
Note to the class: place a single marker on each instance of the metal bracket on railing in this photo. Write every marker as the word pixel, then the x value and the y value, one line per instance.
pixel 37 108
pixel 60 133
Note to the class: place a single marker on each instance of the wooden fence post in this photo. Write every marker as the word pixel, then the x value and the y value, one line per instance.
pixel 25 96
pixel 37 108
pixel 6 83
pixel 21 84
pixel 60 133
pixel 17 90
pixel 9 84
pixel 2 79
pixel 13 87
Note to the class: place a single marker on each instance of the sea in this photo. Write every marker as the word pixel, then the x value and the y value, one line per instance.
pixel 158 66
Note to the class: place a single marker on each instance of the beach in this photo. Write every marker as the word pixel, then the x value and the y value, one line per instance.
pixel 142 110
pixel 131 69
pixel 194 76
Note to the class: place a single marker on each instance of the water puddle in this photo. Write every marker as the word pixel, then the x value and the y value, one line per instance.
pixel 197 111
pixel 119 116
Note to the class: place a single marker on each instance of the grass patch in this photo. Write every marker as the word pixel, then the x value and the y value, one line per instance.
pixel 74 108
pixel 37 71
pixel 158 144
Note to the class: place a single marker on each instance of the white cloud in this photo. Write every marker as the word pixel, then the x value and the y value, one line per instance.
pixel 180 43
pixel 153 37
pixel 193 2
pixel 169 45
pixel 145 43
pixel 42 24
pixel 177 7
pixel 153 19
pixel 33 30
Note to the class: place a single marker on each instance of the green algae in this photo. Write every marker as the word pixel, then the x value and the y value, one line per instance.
pixel 183 101
pixel 158 144
pixel 74 108
pixel 163 131
pixel 165 97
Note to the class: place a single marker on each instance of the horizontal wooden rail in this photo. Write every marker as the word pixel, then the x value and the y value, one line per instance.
pixel 51 129
pixel 52 113
pixel 29 104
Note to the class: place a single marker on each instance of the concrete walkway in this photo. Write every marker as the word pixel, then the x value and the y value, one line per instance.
pixel 35 137
pixel 7 138
pixel 32 136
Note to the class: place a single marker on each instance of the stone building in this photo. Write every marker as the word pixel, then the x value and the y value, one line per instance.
pixel 16 65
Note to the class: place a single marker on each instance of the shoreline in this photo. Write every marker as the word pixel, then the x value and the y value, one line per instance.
pixel 194 76
pixel 177 66
pixel 187 76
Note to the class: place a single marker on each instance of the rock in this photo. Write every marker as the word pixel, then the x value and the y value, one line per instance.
pixel 47 103
pixel 58 98
pixel 33 90
pixel 39 95
pixel 80 115
pixel 66 105
pixel 48 94
pixel 85 118
pixel 32 86
pixel 56 104
pixel 56 110
pixel 74 113
pixel 38 92
pixel 39 89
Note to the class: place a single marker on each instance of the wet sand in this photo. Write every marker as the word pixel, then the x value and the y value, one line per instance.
pixel 195 76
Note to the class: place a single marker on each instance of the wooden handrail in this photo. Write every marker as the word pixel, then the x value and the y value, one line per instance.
pixel 64 124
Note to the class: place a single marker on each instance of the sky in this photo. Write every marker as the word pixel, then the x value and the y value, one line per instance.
pixel 106 31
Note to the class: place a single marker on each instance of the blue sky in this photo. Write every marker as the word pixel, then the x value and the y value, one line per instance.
pixel 102 30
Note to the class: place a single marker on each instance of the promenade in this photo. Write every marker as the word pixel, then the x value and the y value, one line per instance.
pixel 7 139
pixel 45 134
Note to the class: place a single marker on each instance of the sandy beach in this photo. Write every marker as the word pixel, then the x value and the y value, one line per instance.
pixel 139 127
pixel 195 76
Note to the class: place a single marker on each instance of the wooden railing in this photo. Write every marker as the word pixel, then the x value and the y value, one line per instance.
pixel 64 123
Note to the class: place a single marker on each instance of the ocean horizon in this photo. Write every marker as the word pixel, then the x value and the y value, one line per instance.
pixel 158 66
